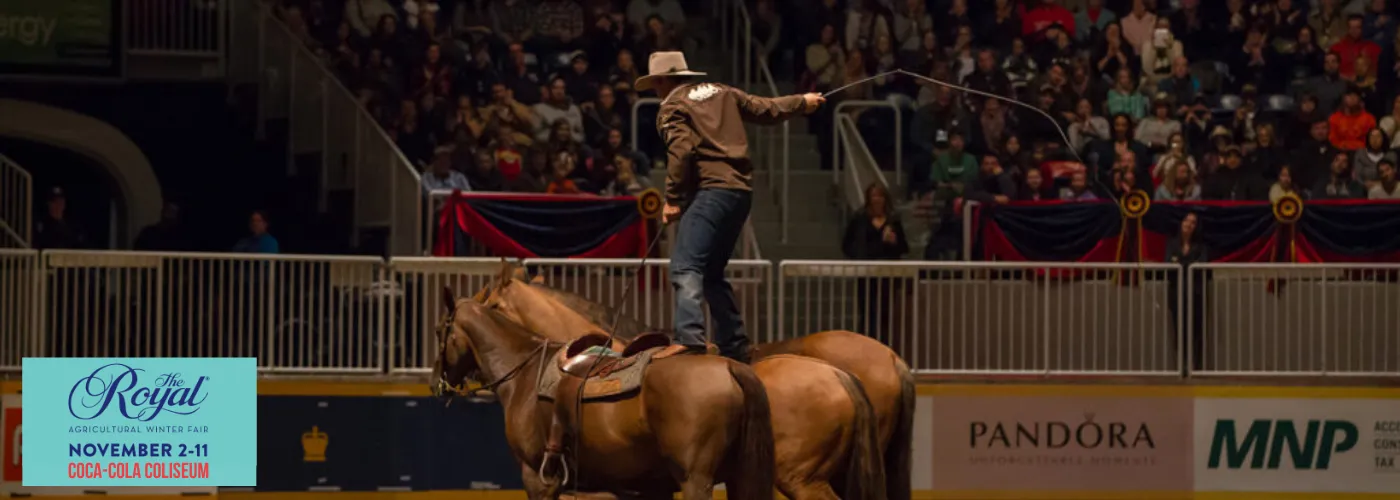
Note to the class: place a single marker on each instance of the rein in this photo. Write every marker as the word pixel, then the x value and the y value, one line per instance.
pixel 456 390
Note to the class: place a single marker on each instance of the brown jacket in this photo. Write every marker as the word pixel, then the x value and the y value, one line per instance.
pixel 706 144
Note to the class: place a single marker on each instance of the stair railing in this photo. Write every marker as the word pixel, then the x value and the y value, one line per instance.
pixel 750 71
pixel 16 209
pixel 325 119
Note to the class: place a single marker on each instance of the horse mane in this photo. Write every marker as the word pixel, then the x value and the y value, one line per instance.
pixel 628 328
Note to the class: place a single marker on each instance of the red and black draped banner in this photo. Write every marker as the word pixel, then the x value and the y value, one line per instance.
pixel 531 225
pixel 1289 231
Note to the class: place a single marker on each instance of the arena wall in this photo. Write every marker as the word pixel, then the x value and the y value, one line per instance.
pixel 972 441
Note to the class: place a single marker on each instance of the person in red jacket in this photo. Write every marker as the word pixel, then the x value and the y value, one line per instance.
pixel 1048 13
pixel 1349 125
pixel 1353 46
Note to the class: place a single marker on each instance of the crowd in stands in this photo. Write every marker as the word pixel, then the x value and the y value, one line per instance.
pixel 1183 99
pixel 499 95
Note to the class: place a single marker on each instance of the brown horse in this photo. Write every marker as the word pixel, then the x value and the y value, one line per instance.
pixel 696 421
pixel 887 380
pixel 815 456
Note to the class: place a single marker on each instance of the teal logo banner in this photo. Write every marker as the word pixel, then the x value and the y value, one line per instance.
pixel 140 421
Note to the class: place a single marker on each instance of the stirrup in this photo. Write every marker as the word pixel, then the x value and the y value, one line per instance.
pixel 544 468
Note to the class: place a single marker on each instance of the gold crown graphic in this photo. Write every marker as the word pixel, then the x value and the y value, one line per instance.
pixel 313 445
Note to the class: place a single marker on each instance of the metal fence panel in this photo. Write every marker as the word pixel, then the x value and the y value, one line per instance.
pixel 993 318
pixel 294 313
pixel 21 279
pixel 417 310
pixel 1317 319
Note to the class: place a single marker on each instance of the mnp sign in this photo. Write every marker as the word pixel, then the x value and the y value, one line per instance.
pixel 100 422
pixel 1295 445
pixel 61 37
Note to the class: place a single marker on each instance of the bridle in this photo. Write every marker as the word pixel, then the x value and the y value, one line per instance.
pixel 444 387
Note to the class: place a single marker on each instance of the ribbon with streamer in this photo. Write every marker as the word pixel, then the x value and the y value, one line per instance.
pixel 1064 135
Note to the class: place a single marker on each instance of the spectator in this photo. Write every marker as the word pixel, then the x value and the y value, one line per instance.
pixel 1155 130
pixel 1175 155
pixel 1015 158
pixel 484 176
pixel 884 60
pixel 520 77
pixel 165 236
pixel 854 76
pixel 1364 79
pixel 949 22
pixel 1386 188
pixel 1034 188
pixel 557 26
pixel 1267 155
pixel 993 185
pixel 1019 67
pixel 409 134
pixel 1349 125
pixel 1002 24
pixel 440 176
pixel 1391 124
pixel 1366 161
pixel 1283 186
pixel 1355 45
pixel 668 12
pixel 562 164
pixel 512 20
pixel 1159 53
pixel 1036 127
pixel 825 61
pixel 609 36
pixel 864 24
pixel 1287 20
pixel 1185 249
pixel 961 53
pixel 1339 184
pixel 1124 98
pixel 365 15
pixel 1252 65
pixel 555 108
pixel 1188 25
pixel 615 145
pixel 416 13
pixel 1058 48
pixel 625 69
pixel 1104 154
pixel 1124 179
pixel 987 77
pixel 1379 23
pixel 954 169
pixel 1303 58
pixel 1084 83
pixel 1179 184
pixel 508 115
pixel 625 182
pixel 258 239
pixel 386 38
pixel 910 24
pixel 1091 21
pixel 1078 189
pixel 561 138
pixel 466 119
pixel 1181 87
pixel 1327 22
pixel 510 160
pixel 1039 18
pixel 991 128
pixel 580 84
pixel 1313 155
pixel 1113 54
pixel 1139 24
pixel 480 76
pixel 54 229
pixel 604 115
pixel 1086 127
pixel 1233 24
pixel 875 232
pixel 1329 87
pixel 1232 182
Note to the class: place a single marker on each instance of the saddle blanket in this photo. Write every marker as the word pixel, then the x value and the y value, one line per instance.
pixel 622 378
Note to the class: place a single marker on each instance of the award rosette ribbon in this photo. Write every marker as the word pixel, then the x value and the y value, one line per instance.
pixel 107 422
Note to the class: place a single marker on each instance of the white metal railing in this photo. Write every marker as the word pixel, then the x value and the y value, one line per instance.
pixel 342 315
pixel 860 166
pixel 20 306
pixel 993 318
pixel 295 313
pixel 195 28
pixel 325 119
pixel 650 298
pixel 769 147
pixel 898 136
pixel 1281 319
pixel 16 205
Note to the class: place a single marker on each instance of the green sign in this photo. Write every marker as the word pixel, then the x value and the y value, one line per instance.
pixel 1311 449
pixel 72 37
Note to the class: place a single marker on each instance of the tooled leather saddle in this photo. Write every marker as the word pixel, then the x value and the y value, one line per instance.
pixel 602 373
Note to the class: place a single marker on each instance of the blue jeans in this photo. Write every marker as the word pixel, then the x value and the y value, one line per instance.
pixel 705 241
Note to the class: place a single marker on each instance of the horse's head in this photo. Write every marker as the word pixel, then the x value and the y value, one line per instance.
pixel 456 361
pixel 511 295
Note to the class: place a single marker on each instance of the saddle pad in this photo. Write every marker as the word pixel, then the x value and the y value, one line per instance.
pixel 622 381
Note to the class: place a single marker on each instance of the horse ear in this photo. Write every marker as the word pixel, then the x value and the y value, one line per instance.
pixel 449 300
pixel 504 277
pixel 538 279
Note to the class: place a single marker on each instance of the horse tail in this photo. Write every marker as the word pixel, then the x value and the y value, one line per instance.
pixel 751 473
pixel 898 452
pixel 865 472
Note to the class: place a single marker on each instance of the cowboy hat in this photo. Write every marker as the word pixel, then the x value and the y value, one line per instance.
pixel 664 64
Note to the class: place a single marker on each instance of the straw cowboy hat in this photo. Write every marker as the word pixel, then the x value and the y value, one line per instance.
pixel 664 64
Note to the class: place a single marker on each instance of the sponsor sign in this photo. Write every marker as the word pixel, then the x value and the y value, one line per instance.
pixel 11 420
pixel 64 37
pixel 97 422
pixel 1297 445
pixel 1062 443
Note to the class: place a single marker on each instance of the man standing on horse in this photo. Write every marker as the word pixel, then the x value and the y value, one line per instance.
pixel 709 177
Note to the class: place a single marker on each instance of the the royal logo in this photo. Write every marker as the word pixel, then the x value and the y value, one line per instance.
pixel 313 445
pixel 122 388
